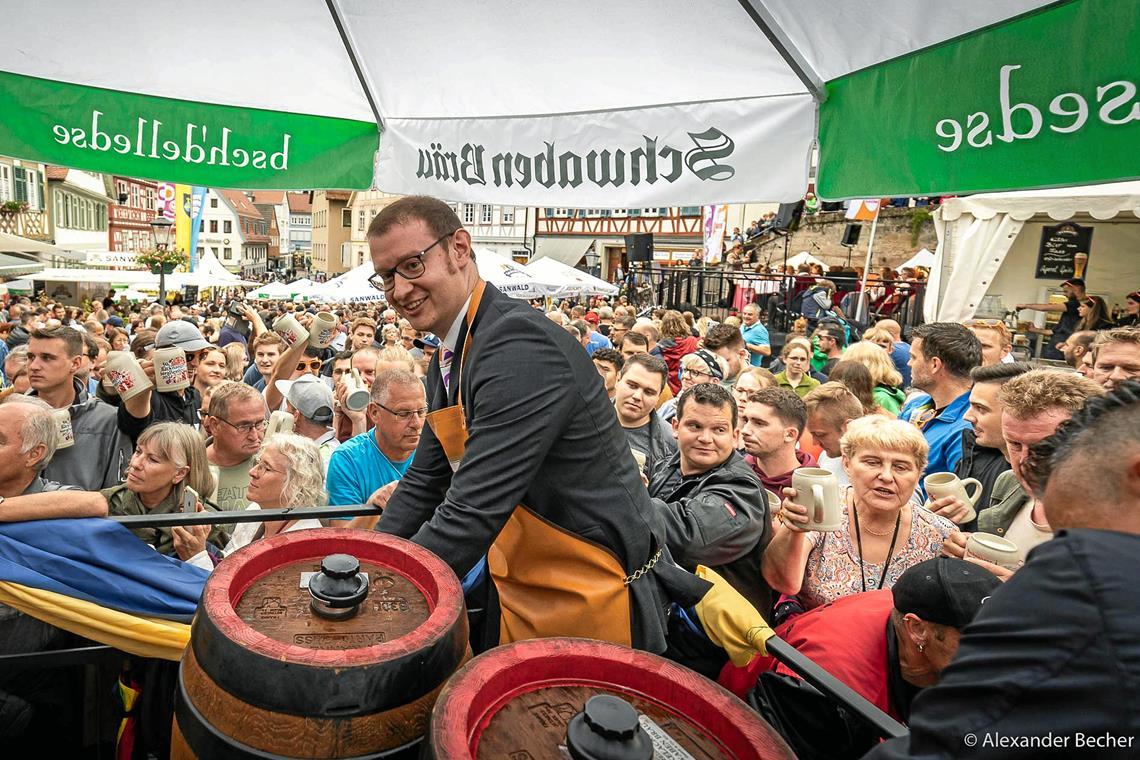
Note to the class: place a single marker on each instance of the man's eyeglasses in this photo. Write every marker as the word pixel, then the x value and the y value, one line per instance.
pixel 308 364
pixel 404 416
pixel 244 428
pixel 411 268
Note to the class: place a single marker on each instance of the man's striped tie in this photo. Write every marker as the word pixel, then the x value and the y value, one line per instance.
pixel 445 366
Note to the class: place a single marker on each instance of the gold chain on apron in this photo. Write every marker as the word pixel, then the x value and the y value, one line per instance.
pixel 643 569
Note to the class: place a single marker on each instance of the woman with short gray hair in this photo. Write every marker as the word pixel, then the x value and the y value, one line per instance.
pixel 288 473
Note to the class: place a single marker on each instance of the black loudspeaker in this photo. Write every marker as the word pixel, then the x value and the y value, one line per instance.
pixel 788 217
pixel 851 235
pixel 639 246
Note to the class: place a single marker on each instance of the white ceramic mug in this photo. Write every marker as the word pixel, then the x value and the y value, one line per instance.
pixel 942 484
pixel 356 395
pixel 279 422
pixel 995 549
pixel 170 370
pixel 818 490
pixel 63 424
pixel 290 330
pixel 322 330
pixel 125 375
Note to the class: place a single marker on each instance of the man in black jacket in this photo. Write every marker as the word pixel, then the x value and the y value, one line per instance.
pixel 710 503
pixel 1050 665
pixel 521 459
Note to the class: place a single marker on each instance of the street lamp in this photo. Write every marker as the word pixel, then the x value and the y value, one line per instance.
pixel 592 261
pixel 161 228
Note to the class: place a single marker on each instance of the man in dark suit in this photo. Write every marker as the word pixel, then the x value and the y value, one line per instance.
pixel 522 460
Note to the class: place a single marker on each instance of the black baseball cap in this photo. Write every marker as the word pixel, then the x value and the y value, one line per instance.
pixel 1074 281
pixel 944 590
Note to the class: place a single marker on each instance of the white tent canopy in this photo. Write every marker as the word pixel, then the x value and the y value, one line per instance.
pixel 924 258
pixel 575 280
pixel 271 290
pixel 803 257
pixel 731 119
pixel 975 235
pixel 209 274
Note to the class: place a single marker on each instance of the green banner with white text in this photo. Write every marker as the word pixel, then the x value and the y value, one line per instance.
pixel 1047 99
pixel 181 141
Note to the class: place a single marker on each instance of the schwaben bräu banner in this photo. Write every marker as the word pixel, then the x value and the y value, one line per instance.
pixel 694 154
pixel 1051 98
pixel 182 141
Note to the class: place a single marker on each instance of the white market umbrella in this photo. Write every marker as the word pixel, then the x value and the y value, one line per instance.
pixel 909 98
pixel 511 277
pixel 923 258
pixel 272 290
pixel 803 257
pixel 573 280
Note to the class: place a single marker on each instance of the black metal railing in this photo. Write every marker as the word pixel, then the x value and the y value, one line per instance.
pixel 719 291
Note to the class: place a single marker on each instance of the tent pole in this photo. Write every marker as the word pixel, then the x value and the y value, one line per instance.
pixel 764 19
pixel 866 270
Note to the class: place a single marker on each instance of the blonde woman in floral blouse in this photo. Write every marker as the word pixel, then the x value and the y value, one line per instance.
pixel 883 532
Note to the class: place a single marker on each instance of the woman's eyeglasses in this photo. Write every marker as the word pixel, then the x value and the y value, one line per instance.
pixel 696 374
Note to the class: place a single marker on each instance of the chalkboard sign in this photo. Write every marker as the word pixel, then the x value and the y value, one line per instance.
pixel 1064 252
pixel 190 293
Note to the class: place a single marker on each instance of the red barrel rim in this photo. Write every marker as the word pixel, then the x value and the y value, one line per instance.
pixel 481 688
pixel 431 576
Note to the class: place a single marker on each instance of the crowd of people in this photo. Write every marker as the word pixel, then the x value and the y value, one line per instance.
pixel 505 436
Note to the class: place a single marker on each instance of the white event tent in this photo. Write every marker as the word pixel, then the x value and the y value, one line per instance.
pixel 574 281
pixel 988 244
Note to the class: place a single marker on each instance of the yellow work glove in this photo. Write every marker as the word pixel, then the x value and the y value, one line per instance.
pixel 730 620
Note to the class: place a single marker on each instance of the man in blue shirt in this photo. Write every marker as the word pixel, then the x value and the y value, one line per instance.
pixel 755 335
pixel 365 465
pixel 941 357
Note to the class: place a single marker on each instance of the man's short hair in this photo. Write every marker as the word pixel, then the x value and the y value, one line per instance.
pixel 342 355
pixel 1040 390
pixel 39 427
pixel 1082 339
pixel 636 338
pixel 999 373
pixel 789 408
pixel 1004 336
pixel 362 322
pixel 834 331
pixel 268 338
pixel 721 336
pixel 709 394
pixel 609 355
pixel 958 348
pixel 1104 337
pixel 90 347
pixel 581 326
pixel 229 392
pixel 626 322
pixel 654 330
pixel 384 381
pixel 1106 423
pixel 834 401
pixel 437 216
pixel 648 363
pixel 72 339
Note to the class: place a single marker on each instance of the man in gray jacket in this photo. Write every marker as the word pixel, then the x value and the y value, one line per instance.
pixel 100 453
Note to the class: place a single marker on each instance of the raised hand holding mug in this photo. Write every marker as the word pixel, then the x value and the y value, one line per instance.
pixel 942 484
pixel 125 375
pixel 290 330
pixel 170 370
pixel 818 490
pixel 322 330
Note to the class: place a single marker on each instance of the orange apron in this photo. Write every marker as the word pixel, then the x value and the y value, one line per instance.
pixel 550 582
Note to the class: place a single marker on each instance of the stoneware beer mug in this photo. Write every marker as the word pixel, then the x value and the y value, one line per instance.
pixel 290 329
pixel 942 484
pixel 322 330
pixel 170 370
pixel 63 424
pixel 991 548
pixel 818 490
pixel 125 375
pixel 280 421
pixel 639 457
pixel 356 395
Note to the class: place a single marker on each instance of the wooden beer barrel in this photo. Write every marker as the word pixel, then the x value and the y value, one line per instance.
pixel 268 673
pixel 520 699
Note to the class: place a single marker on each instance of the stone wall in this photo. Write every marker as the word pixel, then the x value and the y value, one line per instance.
pixel 820 235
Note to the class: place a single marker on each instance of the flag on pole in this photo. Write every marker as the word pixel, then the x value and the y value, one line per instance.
pixel 715 223
pixel 864 210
